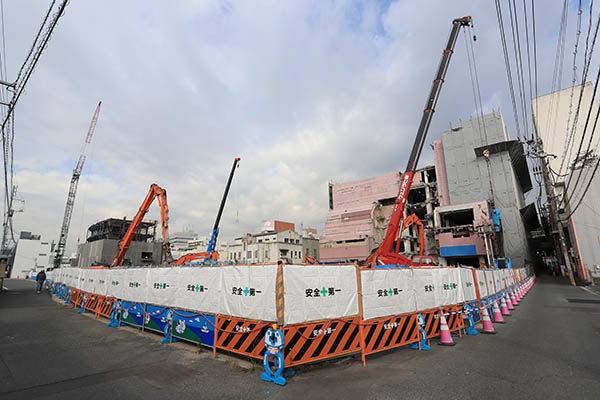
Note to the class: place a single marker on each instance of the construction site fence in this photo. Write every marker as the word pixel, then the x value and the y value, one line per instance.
pixel 327 311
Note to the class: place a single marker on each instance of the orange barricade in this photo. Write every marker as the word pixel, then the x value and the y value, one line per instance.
pixel 104 307
pixel 91 302
pixel 454 318
pixel 241 336
pixel 432 322
pixel 76 296
pixel 305 343
pixel 388 332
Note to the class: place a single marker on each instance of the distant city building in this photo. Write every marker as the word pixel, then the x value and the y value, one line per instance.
pixel 180 243
pixel 272 245
pixel 103 242
pixel 32 254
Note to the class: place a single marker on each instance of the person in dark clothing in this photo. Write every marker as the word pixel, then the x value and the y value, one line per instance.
pixel 39 280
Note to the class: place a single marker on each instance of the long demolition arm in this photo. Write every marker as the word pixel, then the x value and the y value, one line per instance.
pixel 155 192
pixel 385 254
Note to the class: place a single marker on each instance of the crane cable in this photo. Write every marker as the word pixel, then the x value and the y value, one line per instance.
pixel 508 67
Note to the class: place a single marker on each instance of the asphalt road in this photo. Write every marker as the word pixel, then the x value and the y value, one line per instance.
pixel 548 349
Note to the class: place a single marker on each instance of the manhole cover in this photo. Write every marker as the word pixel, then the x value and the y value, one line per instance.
pixel 584 301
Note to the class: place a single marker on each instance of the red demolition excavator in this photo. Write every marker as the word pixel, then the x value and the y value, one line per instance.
pixel 156 192
pixel 388 252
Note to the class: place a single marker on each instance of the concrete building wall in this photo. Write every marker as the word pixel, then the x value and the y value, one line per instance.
pixel 469 177
pixel 31 254
pixel 360 210
pixel 584 226
pixel 555 119
pixel 554 116
pixel 102 252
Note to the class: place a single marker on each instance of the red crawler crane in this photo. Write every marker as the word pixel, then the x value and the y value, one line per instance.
pixel 388 253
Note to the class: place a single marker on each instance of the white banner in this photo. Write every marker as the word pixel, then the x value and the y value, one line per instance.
pixel 115 282
pixel 101 284
pixel 315 292
pixel 161 285
pixel 81 278
pixel 135 285
pixel 74 277
pixel 249 291
pixel 446 286
pixel 200 289
pixel 424 285
pixel 498 280
pixel 387 292
pixel 457 280
pixel 90 280
pixel 489 280
pixel 481 283
pixel 468 284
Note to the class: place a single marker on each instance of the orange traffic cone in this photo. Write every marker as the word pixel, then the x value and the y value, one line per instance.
pixel 445 336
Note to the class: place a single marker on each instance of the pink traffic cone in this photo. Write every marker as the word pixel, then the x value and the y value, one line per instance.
pixel 519 293
pixel 487 323
pixel 497 314
pixel 504 307
pixel 445 336
pixel 515 300
pixel 508 301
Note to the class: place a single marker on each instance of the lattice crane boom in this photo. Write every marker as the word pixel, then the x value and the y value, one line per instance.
pixel 64 230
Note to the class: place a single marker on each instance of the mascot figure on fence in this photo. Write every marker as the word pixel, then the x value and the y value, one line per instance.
pixel 274 343
pixel 115 314
pixel 423 342
pixel 468 318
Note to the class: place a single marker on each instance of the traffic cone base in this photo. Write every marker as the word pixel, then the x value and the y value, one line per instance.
pixel 488 328
pixel 445 335
pixel 497 314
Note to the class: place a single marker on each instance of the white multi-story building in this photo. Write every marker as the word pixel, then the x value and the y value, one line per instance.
pixel 561 128
pixel 269 247
pixel 31 256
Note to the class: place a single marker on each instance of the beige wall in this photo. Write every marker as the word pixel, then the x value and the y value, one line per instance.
pixel 554 119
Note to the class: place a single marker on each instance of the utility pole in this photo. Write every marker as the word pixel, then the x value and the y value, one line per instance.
pixel 558 230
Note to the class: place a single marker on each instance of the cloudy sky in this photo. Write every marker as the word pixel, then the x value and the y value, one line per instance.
pixel 305 92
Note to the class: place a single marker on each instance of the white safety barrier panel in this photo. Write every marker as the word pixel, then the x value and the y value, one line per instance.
pixel 387 292
pixel 199 289
pixel 457 280
pixel 315 292
pixel 481 283
pixel 446 286
pixel 249 291
pixel 161 285
pixel 80 278
pixel 101 281
pixel 135 285
pixel 115 283
pixel 468 284
pixel 498 280
pixel 489 280
pixel 89 283
pixel 424 285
